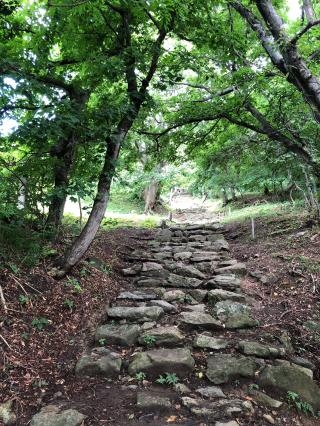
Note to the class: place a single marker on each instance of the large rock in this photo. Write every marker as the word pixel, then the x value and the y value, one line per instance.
pixel 205 256
pixel 225 282
pixel 164 336
pixel 149 282
pixel 100 362
pixel 264 399
pixel 198 295
pixel 213 409
pixel 159 361
pixel 166 306
pixel 174 295
pixel 137 295
pixel 52 415
pixel 136 313
pixel 237 268
pixel 185 270
pixel 284 378
pixel 220 245
pixel 7 414
pixel 164 235
pixel 200 320
pixel 211 392
pixel 153 269
pixel 262 351
pixel 122 335
pixel 175 280
pixel 234 315
pixel 224 368
pixel 183 255
pixel 217 295
pixel 209 342
pixel 149 401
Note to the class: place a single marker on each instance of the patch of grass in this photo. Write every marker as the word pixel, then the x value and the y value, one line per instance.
pixel 149 340
pixel 308 264
pixel 259 210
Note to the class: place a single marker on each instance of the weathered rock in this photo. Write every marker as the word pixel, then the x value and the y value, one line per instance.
pixel 223 368
pixel 219 245
pixel 148 325
pixel 174 295
pixel 181 388
pixel 183 255
pixel 217 295
pixel 122 335
pixel 269 419
pixel 100 362
pixel 7 414
pixel 137 295
pixel 52 415
pixel 232 423
pixel 284 378
pixel 166 306
pixel 225 282
pixel 215 237
pixel 164 336
pixel 237 268
pixel 213 409
pixel 203 257
pixel 188 271
pixel 197 238
pixel 304 370
pixel 234 315
pixel 264 399
pixel 159 361
pixel 304 362
pixel 149 401
pixel 200 320
pixel 211 392
pixel 149 282
pixel 133 313
pixel 127 272
pixel 196 307
pixel 198 295
pixel 153 269
pixel 164 235
pixel 175 280
pixel 209 342
pixel 262 351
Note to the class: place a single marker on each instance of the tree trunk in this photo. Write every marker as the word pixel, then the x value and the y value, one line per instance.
pixel 83 241
pixel 64 153
pixel 151 195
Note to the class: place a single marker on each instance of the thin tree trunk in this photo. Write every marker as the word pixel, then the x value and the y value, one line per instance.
pixel 151 194
pixel 82 243
pixel 64 153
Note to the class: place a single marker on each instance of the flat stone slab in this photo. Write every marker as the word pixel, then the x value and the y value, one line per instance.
pixel 225 282
pixel 214 409
pixel 209 342
pixel 137 295
pixel 224 368
pixel 153 269
pixel 52 415
pixel 159 361
pixel 163 336
pixel 198 294
pixel 175 280
pixel 217 295
pixel 211 392
pixel 166 306
pixel 148 401
pixel 174 295
pixel 237 268
pixel 185 270
pixel 100 362
pixel 264 399
pixel 183 255
pixel 136 313
pixel 234 315
pixel 122 335
pixel 200 320
pixel 260 350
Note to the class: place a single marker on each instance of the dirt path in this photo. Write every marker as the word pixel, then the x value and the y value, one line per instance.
pixel 181 345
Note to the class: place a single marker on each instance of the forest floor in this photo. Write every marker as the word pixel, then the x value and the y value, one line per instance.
pixel 46 325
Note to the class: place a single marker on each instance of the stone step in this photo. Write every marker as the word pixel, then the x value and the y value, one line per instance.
pixel 159 361
pixel 162 336
pixel 100 362
pixel 119 334
pixel 133 313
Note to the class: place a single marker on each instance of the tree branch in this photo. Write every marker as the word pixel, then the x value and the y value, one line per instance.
pixel 306 28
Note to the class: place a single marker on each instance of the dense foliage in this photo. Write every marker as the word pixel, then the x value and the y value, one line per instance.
pixel 220 97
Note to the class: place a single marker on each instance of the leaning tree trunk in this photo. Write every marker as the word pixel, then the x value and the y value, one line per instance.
pixel 82 243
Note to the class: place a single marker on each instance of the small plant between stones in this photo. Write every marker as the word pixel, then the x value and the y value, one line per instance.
pixel 102 341
pixel 294 400
pixel 149 340
pixel 253 386
pixel 168 379
pixel 140 376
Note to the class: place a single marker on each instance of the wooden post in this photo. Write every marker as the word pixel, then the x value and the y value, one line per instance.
pixel 252 228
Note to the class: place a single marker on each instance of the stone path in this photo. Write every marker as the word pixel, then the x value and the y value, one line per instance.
pixel 188 325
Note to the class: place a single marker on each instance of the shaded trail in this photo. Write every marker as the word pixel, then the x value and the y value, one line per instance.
pixel 185 321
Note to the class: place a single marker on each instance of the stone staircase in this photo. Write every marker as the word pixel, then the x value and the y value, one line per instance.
pixel 186 322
